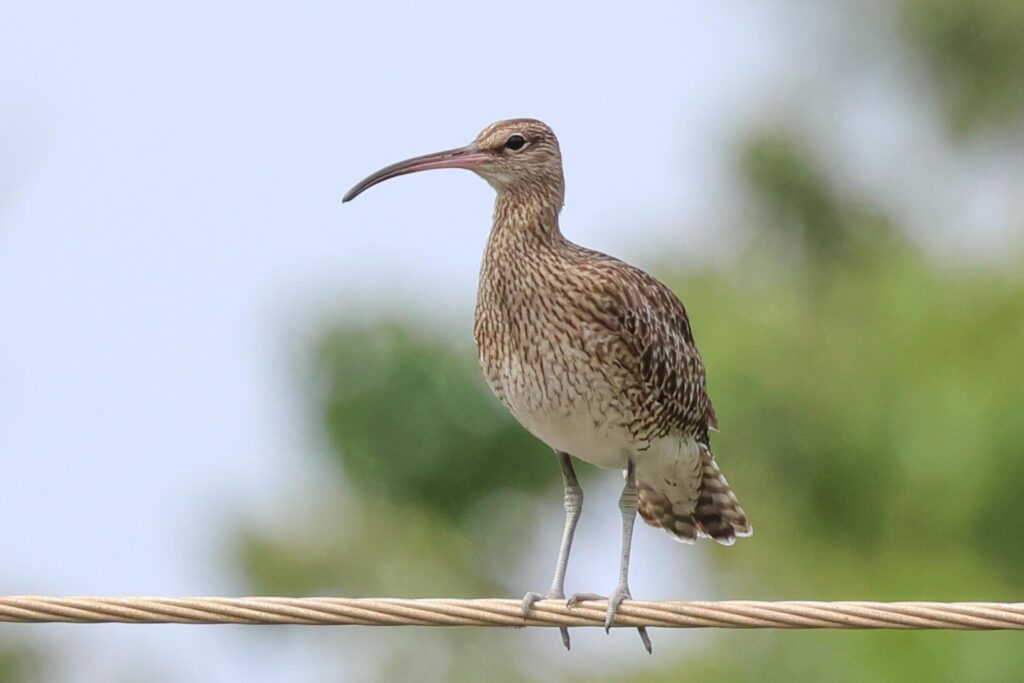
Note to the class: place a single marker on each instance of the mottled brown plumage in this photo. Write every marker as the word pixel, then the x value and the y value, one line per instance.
pixel 593 356
pixel 562 328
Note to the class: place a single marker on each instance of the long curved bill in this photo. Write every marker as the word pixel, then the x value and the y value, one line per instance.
pixel 461 157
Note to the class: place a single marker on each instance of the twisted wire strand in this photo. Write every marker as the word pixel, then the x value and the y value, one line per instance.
pixel 502 612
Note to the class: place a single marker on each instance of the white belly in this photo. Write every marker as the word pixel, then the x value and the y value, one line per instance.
pixel 575 410
pixel 564 405
pixel 670 465
pixel 593 440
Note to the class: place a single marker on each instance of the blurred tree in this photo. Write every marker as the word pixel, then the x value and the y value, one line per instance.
pixel 412 420
pixel 870 401
pixel 20 662
pixel 426 450
pixel 799 208
pixel 975 54
pixel 796 195
pixel 870 423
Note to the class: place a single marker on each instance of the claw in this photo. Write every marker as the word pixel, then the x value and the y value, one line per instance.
pixel 565 637
pixel 646 639
pixel 527 604
pixel 528 601
pixel 614 602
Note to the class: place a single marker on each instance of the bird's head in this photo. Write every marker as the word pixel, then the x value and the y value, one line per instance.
pixel 513 155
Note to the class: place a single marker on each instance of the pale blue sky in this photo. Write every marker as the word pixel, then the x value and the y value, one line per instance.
pixel 171 231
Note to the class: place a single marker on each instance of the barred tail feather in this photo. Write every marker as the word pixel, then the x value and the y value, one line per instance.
pixel 716 514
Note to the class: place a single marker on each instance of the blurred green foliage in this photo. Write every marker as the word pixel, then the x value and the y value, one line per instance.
pixel 871 423
pixel 871 401
pixel 20 662
pixel 427 452
pixel 795 195
pixel 801 213
pixel 463 446
pixel 975 54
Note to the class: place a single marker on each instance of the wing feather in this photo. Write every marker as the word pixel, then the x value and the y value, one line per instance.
pixel 653 341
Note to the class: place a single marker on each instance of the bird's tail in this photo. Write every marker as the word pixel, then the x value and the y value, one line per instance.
pixel 717 513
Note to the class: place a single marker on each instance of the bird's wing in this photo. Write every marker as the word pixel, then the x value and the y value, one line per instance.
pixel 656 347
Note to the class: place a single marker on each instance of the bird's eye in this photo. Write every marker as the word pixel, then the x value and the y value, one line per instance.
pixel 515 142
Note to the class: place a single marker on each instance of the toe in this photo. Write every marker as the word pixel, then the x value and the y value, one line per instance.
pixel 577 598
pixel 645 638
pixel 528 601
pixel 614 603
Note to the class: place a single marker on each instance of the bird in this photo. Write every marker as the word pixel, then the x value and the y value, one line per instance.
pixel 593 356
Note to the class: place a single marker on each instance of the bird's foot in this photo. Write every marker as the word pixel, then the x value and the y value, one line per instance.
pixel 577 598
pixel 532 597
pixel 614 602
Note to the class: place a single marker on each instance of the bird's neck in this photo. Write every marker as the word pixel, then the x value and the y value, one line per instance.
pixel 526 216
pixel 523 248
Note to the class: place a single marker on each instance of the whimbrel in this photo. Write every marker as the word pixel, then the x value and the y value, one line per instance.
pixel 593 356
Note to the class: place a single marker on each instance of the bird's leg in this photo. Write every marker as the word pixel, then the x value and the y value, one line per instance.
pixel 629 501
pixel 573 496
